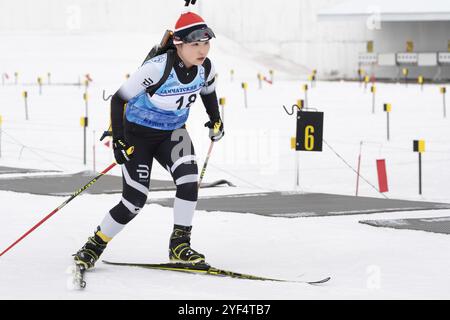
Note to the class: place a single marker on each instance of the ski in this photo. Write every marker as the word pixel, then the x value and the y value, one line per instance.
pixel 206 269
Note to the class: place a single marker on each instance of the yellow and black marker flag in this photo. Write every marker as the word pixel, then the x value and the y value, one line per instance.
pixel 419 146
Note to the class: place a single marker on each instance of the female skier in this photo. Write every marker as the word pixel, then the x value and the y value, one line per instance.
pixel 148 115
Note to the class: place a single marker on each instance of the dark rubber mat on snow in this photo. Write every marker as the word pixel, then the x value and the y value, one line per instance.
pixel 64 185
pixel 293 205
pixel 10 170
pixel 436 225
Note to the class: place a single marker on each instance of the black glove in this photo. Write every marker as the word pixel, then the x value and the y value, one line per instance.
pixel 216 131
pixel 123 152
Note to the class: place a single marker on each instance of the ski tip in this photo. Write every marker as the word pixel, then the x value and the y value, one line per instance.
pixel 322 281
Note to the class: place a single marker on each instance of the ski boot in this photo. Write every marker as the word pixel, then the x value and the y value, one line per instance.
pixel 88 255
pixel 180 250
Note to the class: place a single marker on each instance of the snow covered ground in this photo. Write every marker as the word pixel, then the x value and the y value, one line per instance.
pixel 365 262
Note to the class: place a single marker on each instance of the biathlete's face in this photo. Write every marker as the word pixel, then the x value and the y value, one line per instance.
pixel 193 53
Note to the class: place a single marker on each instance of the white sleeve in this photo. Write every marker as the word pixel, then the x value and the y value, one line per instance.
pixel 147 75
pixel 210 85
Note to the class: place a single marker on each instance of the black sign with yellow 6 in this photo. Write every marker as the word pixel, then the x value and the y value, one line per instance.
pixel 309 131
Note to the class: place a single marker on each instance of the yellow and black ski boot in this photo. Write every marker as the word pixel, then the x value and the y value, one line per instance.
pixel 180 250
pixel 88 255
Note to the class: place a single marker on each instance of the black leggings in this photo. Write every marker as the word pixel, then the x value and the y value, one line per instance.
pixel 173 150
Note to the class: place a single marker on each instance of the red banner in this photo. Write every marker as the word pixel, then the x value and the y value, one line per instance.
pixel 382 176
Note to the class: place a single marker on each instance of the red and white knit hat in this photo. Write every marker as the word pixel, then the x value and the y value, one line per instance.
pixel 187 25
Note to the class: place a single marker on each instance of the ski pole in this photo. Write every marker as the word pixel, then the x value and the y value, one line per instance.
pixel 77 193
pixel 205 164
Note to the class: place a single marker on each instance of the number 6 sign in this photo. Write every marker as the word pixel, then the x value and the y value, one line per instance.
pixel 309 131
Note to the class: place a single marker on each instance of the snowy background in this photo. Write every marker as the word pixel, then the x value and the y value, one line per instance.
pixel 365 262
